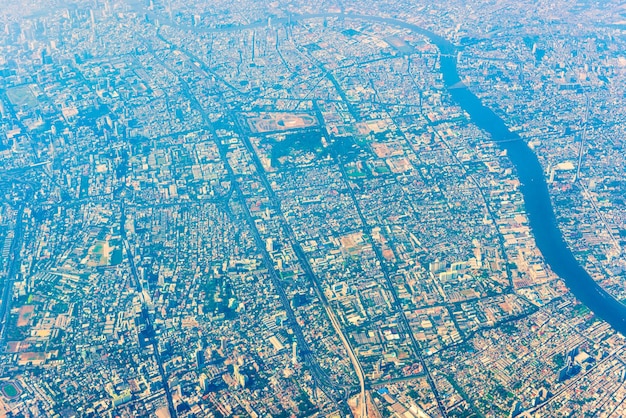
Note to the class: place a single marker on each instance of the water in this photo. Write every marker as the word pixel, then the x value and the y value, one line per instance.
pixel 534 189
pixel 536 198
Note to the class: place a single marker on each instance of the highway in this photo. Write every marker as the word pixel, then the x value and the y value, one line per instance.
pixel 394 296
pixel 146 317
pixel 304 262
pixel 333 391
pixel 276 204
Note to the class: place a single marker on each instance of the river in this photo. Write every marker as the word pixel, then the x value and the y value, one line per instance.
pixel 534 188
pixel 536 197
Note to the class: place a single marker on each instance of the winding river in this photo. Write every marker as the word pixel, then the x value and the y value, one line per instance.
pixel 534 188
pixel 537 201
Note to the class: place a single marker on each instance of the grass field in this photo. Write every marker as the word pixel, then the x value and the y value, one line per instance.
pixel 10 390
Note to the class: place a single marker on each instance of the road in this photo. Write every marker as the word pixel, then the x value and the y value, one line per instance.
pixel 276 204
pixel 146 317
pixel 367 230
pixel 332 390
pixel 304 262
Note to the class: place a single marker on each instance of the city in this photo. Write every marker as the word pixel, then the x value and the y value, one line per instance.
pixel 281 209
